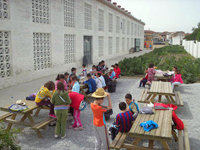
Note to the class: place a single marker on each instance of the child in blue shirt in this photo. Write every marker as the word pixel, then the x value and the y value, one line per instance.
pixel 76 86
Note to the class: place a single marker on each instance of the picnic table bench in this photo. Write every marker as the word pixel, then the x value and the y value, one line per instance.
pixel 160 89
pixel 163 133
pixel 25 114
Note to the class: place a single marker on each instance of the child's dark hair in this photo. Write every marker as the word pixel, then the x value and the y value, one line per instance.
pixel 60 87
pixel 100 63
pixel 66 74
pixel 60 76
pixel 74 78
pixel 89 75
pixel 50 85
pixel 73 69
pixel 151 65
pixel 122 106
pixel 93 66
pixel 128 95
pixel 103 61
pixel 113 66
pixel 83 65
pixel 99 98
pixel 116 64
pixel 99 74
pixel 175 67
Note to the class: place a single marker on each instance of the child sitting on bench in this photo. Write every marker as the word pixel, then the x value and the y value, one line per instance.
pixel 144 80
pixel 132 106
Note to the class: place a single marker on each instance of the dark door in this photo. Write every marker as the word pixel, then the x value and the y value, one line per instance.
pixel 87 58
pixel 137 45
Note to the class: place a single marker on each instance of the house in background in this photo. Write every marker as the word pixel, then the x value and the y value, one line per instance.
pixel 177 38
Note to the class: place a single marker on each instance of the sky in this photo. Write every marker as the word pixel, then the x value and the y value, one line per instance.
pixel 164 15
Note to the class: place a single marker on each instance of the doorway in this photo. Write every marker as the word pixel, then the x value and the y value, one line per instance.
pixel 137 45
pixel 87 55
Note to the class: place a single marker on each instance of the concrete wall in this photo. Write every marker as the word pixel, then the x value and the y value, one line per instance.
pixel 192 47
pixel 20 26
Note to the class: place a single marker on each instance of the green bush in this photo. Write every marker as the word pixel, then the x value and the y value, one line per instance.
pixel 164 58
pixel 8 138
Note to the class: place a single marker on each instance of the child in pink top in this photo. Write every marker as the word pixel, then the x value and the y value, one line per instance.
pixel 177 79
pixel 151 73
pixel 61 78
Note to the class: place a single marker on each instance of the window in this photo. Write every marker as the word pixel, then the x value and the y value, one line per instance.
pixel 69 48
pixel 117 24
pixel 135 29
pixel 5 54
pixel 128 27
pixel 117 44
pixel 123 26
pixel 110 45
pixel 101 20
pixel 69 13
pixel 88 16
pixel 132 43
pixel 4 9
pixel 41 51
pixel 131 28
pixel 40 11
pixel 110 22
pixel 101 45
pixel 127 43
pixel 123 44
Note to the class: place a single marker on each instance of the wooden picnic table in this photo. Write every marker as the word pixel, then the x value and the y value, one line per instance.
pixel 160 89
pixel 159 76
pixel 24 115
pixel 163 133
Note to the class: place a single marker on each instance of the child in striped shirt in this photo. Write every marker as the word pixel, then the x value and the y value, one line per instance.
pixel 124 120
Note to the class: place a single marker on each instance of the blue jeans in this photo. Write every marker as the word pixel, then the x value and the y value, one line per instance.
pixel 143 81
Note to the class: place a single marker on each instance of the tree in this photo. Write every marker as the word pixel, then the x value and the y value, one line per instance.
pixel 198 36
pixel 193 28
pixel 198 25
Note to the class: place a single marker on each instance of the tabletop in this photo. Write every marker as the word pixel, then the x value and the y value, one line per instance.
pixel 164 120
pixel 31 106
pixel 160 87
pixel 160 74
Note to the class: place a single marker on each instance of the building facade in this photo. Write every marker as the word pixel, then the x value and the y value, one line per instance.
pixel 45 37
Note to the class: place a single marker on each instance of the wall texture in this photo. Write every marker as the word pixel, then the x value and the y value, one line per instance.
pixel 44 37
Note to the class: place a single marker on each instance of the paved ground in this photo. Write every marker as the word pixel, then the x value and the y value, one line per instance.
pixel 83 140
pixel 22 90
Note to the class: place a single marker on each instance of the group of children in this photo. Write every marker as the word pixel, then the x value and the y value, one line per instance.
pixel 176 77
pixel 124 120
pixel 62 96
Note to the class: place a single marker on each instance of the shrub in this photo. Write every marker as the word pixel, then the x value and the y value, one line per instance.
pixel 164 58
pixel 8 138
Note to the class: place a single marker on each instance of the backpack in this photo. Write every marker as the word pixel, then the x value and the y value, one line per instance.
pixel 177 121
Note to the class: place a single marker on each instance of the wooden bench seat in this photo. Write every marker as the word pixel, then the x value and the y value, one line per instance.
pixel 143 96
pixel 42 125
pixel 3 117
pixel 183 138
pixel 119 140
pixel 178 99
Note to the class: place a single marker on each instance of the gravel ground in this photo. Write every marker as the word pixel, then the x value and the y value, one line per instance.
pixel 85 140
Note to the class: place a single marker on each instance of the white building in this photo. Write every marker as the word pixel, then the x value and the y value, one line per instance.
pixel 45 37
pixel 177 38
